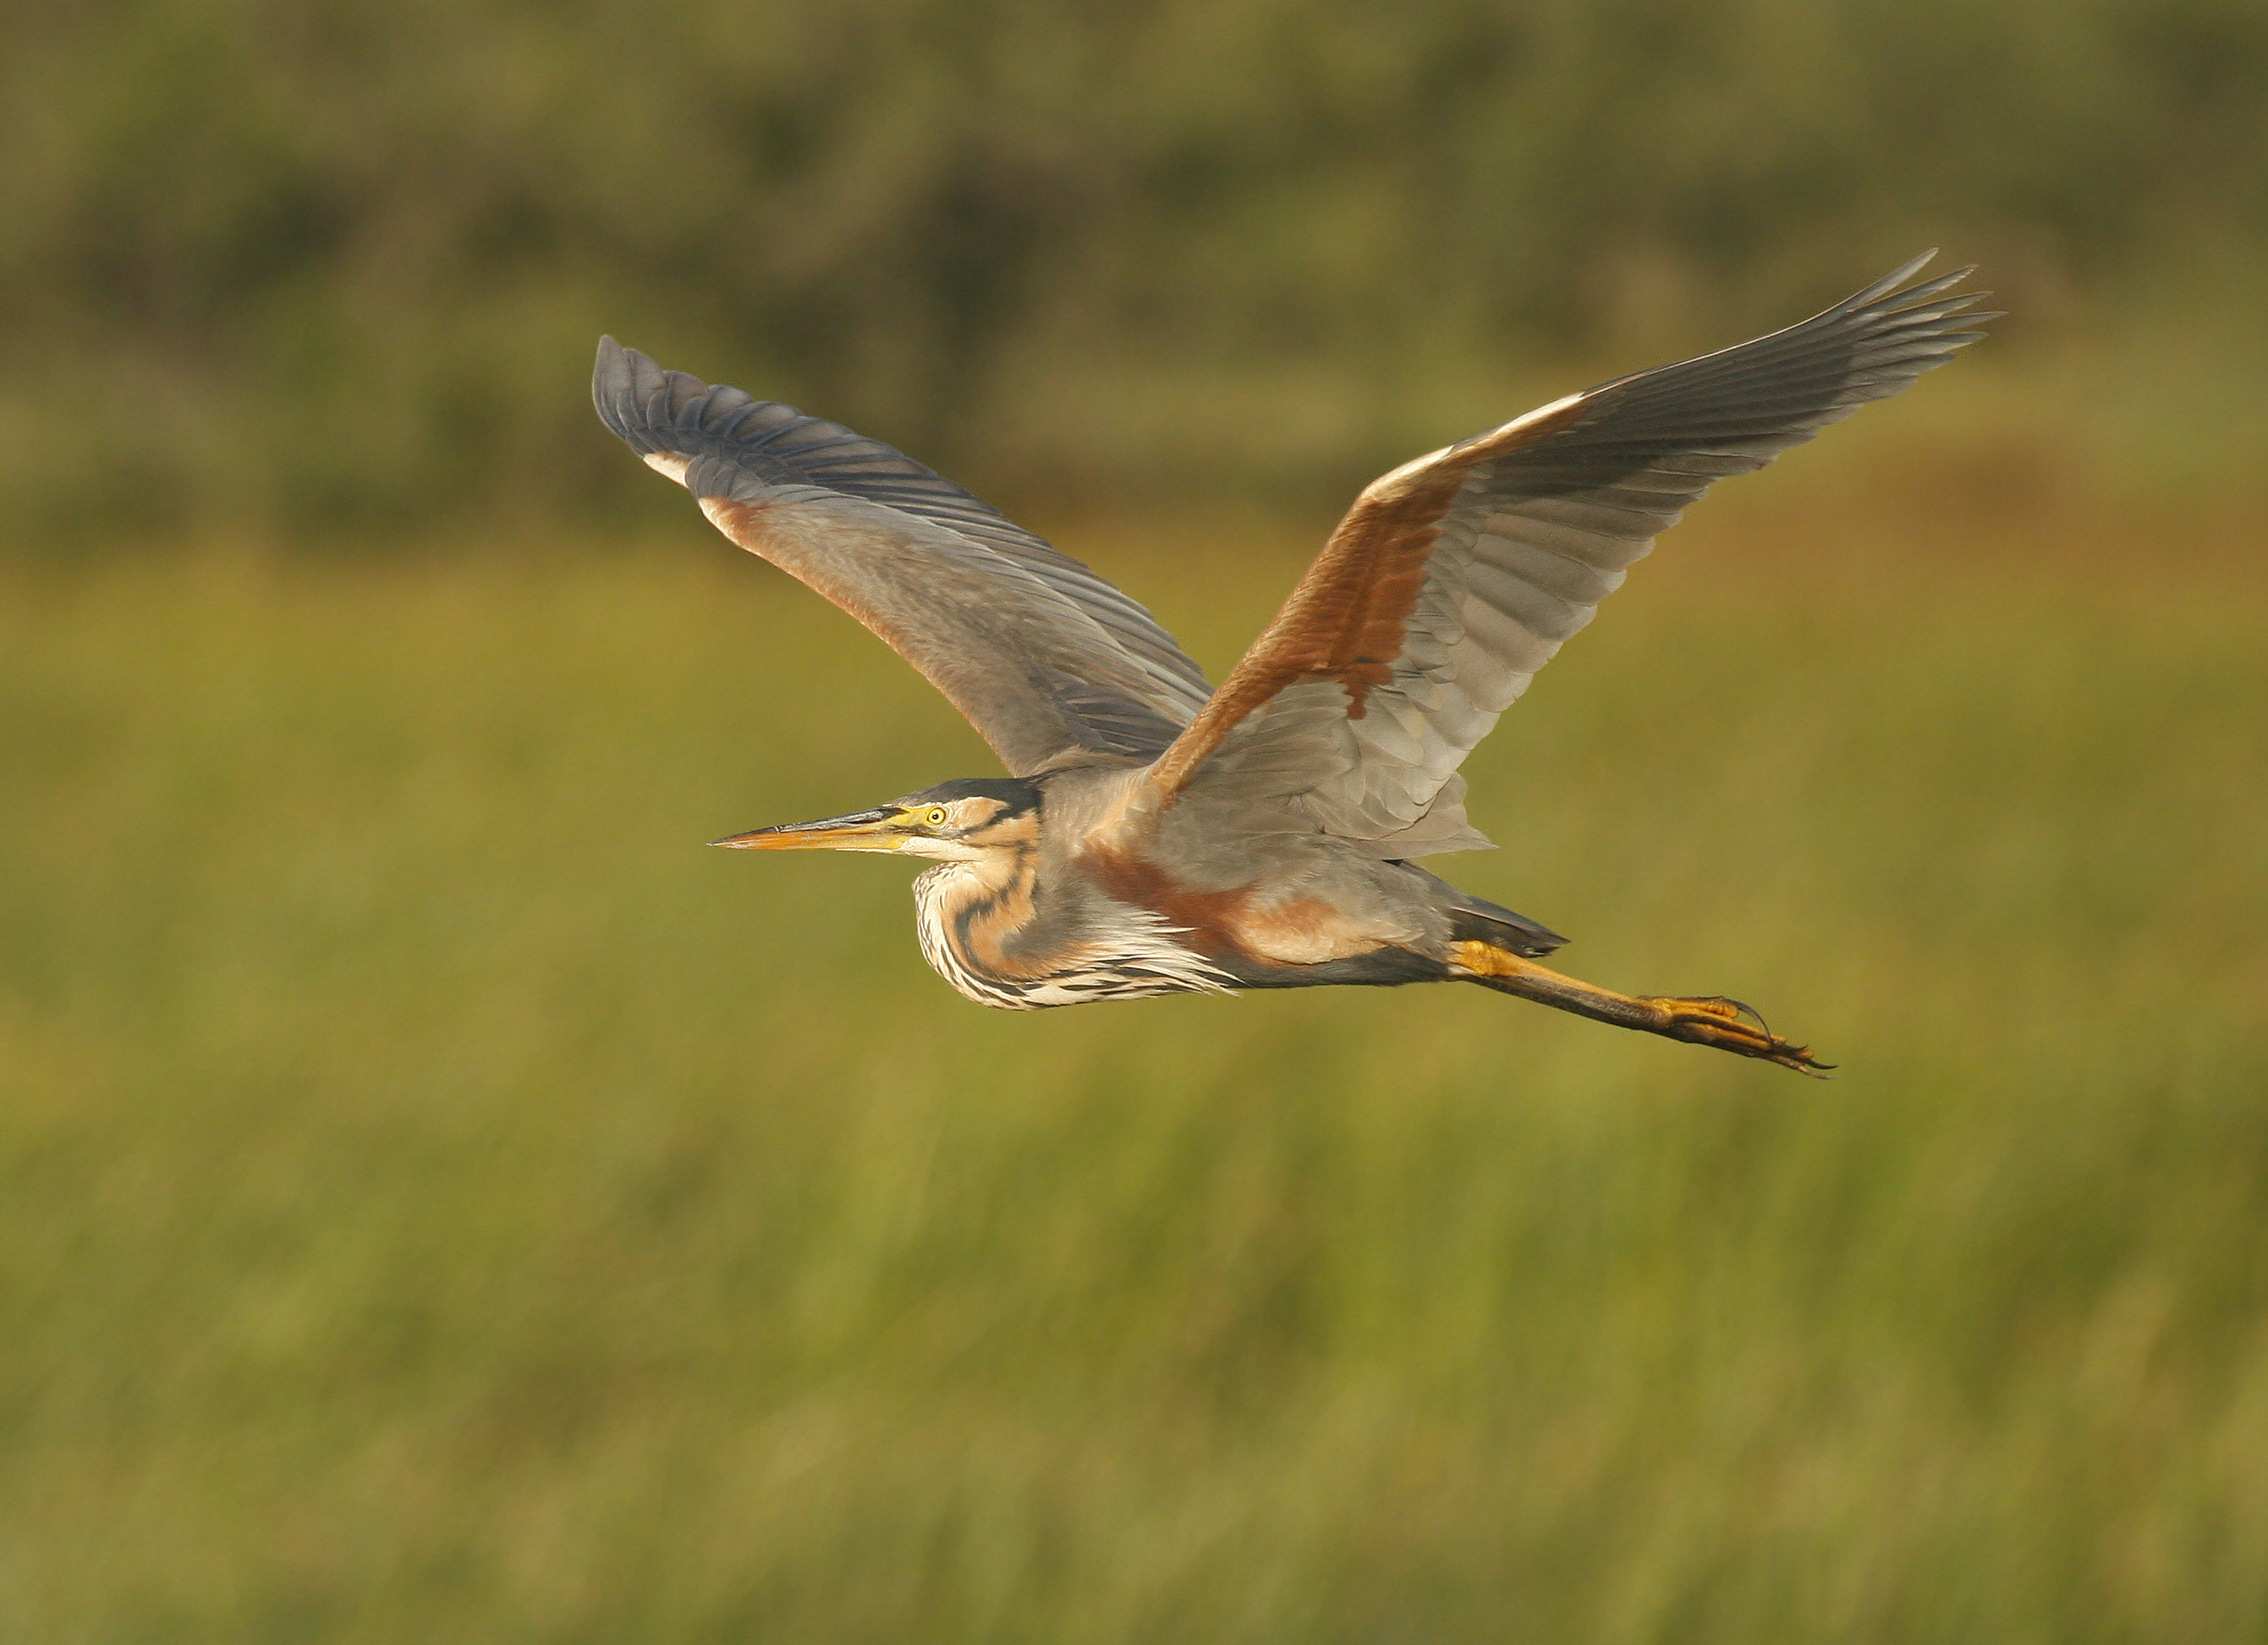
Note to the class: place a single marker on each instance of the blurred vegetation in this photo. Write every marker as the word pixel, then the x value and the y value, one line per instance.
pixel 440 1201
pixel 314 266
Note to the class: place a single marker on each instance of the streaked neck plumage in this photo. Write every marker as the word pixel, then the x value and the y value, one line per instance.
pixel 1012 928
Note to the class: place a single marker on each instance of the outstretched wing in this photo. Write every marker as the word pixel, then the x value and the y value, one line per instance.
pixel 1454 579
pixel 1053 666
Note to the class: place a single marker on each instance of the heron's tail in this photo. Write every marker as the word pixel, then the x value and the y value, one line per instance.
pixel 1472 919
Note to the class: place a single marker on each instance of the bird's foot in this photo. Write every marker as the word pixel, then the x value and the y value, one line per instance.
pixel 1734 1026
pixel 1710 1020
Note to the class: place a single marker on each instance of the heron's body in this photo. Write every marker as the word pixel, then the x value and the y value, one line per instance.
pixel 1050 914
pixel 1161 837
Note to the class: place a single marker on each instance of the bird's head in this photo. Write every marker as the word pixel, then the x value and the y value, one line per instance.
pixel 965 821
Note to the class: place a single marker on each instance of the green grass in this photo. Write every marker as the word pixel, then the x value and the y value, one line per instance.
pixel 440 1201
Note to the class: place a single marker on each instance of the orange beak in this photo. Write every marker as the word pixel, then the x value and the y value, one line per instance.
pixel 854 830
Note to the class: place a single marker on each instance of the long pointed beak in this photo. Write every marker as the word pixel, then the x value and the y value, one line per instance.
pixel 854 830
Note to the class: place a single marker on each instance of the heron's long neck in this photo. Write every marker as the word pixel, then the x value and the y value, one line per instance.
pixel 984 924
pixel 1004 934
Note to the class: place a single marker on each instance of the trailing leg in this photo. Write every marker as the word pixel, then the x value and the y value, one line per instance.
pixel 1726 1024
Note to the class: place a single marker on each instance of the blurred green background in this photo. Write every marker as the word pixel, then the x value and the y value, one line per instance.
pixel 438 1200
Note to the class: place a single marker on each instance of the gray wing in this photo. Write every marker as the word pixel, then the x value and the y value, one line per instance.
pixel 1453 579
pixel 1052 665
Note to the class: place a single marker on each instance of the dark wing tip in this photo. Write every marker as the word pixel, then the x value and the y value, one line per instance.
pixel 655 411
pixel 1897 277
pixel 623 384
pixel 734 442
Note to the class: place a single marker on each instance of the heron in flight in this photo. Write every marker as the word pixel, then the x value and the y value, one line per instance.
pixel 1156 835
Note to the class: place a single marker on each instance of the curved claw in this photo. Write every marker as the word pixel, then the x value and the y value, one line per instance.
pixel 1734 1026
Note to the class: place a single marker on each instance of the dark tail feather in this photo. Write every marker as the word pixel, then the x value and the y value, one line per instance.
pixel 1476 920
pixel 1473 920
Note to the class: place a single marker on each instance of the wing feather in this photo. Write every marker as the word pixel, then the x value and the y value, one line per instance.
pixel 1454 579
pixel 1051 664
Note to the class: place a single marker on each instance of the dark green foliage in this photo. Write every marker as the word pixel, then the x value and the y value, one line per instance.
pixel 331 264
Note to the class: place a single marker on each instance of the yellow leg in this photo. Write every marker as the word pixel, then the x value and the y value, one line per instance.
pixel 1726 1024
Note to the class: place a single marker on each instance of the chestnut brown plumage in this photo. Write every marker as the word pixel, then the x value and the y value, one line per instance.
pixel 1156 836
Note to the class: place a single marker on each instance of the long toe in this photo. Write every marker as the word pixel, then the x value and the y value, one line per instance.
pixel 1729 1025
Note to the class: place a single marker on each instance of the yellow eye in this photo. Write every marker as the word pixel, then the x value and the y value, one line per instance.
pixel 933 816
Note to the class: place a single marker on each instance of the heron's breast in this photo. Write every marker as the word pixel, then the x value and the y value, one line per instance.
pixel 991 939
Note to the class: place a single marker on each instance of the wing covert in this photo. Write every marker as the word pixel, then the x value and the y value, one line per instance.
pixel 1053 665
pixel 1454 579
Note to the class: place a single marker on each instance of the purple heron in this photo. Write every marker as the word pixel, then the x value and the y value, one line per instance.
pixel 1158 836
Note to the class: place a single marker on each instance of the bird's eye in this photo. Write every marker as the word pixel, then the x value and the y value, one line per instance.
pixel 933 817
